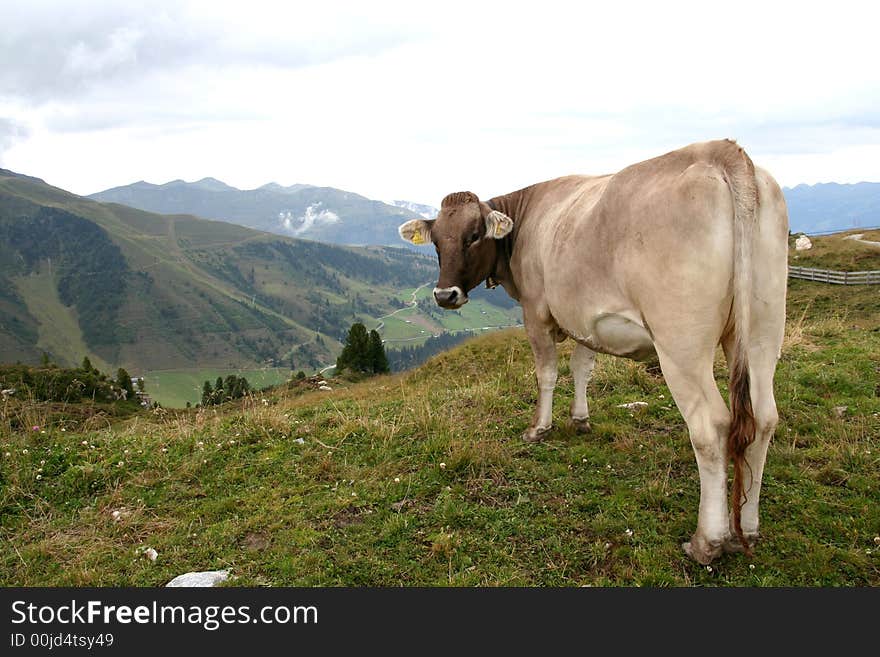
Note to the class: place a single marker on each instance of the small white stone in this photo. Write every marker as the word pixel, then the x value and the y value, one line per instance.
pixel 151 554
pixel 325 388
pixel 199 579
pixel 397 480
pixel 634 406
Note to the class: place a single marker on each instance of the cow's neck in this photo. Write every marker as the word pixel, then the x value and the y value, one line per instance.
pixel 513 205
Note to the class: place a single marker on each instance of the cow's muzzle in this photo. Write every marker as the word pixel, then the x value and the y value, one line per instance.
pixel 450 297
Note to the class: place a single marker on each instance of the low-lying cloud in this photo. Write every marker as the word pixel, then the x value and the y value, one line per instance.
pixel 313 216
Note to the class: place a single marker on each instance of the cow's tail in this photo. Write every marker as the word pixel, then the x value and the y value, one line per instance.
pixel 740 173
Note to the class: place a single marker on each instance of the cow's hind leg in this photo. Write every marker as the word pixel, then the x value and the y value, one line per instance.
pixel 582 361
pixel 542 338
pixel 692 384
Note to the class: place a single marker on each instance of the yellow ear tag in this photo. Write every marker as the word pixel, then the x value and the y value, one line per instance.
pixel 417 238
pixel 499 232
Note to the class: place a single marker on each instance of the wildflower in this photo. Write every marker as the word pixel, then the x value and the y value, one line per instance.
pixel 397 480
pixel 8 454
pixel 36 427
pixel 39 476
pixel 120 464
pixel 442 466
pixel 751 566
pixel 151 554
pixel 84 443
pixel 353 494
pixel 63 429
pixel 24 451
pixel 42 461
pixel 877 540
pixel 115 515
pixel 164 449
pixel 709 569
pixel 628 532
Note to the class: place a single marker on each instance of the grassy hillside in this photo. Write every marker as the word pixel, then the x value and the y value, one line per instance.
pixel 422 479
pixel 148 291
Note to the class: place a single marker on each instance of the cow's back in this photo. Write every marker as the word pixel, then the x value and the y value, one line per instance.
pixel 655 235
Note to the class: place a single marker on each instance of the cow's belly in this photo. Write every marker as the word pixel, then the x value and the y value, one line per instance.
pixel 615 334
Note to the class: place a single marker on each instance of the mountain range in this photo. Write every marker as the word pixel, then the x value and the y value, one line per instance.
pixel 833 206
pixel 323 214
pixel 148 291
pixel 332 215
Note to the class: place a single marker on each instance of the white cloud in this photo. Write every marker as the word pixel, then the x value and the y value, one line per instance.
pixel 394 100
pixel 314 215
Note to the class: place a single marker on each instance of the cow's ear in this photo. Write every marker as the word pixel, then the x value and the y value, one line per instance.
pixel 498 224
pixel 417 231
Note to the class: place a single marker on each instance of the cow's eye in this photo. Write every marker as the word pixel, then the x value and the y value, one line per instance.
pixel 473 237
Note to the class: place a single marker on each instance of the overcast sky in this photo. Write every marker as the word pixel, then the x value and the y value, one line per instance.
pixel 411 100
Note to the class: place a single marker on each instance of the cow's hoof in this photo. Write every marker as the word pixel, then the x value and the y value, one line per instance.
pixel 701 550
pixel 536 434
pixel 732 544
pixel 581 424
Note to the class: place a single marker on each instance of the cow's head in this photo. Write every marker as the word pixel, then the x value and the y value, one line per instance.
pixel 465 235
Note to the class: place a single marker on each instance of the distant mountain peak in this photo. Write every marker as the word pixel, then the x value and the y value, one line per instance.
pixel 421 209
pixel 214 185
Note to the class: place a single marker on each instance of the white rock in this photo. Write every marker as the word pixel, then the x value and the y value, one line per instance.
pixel 199 579
pixel 634 406
pixel 803 243
pixel 324 388
pixel 151 554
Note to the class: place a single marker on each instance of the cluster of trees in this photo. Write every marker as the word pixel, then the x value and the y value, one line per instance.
pixel 224 390
pixel 363 352
pixel 49 382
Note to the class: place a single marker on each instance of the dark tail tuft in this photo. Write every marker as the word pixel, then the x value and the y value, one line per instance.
pixel 742 434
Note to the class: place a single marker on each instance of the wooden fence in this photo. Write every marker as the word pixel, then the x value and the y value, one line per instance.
pixel 836 277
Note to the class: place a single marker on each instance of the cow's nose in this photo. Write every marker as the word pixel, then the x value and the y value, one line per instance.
pixel 447 296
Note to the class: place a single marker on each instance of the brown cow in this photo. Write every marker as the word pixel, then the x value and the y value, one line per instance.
pixel 672 256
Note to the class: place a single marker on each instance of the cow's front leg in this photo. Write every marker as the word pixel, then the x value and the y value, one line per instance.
pixel 582 361
pixel 541 337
